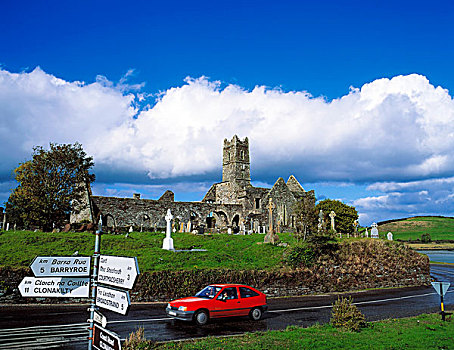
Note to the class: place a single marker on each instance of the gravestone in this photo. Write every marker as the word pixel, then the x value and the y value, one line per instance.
pixel 229 230
pixel 182 227
pixel 189 226
pixel 374 231
pixel 320 220
pixel 7 226
pixel 390 236
pixel 167 244
pixel 131 229
pixel 366 233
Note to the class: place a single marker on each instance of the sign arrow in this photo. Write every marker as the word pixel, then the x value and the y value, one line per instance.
pixel 64 266
pixel 55 287
pixel 118 271
pixel 104 339
pixel 112 299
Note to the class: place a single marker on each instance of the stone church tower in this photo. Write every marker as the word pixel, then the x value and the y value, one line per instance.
pixel 236 166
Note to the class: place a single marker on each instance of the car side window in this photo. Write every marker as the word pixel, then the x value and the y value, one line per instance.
pixel 228 294
pixel 247 293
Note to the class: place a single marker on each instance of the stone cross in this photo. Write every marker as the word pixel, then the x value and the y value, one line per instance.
pixel 4 220
pixel 355 225
pixel 332 215
pixel 270 237
pixel 390 236
pixel 167 244
pixel 270 207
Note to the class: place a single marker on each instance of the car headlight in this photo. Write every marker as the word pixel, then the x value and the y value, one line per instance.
pixel 183 308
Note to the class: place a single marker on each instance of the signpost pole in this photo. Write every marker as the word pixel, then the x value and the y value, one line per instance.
pixel 441 303
pixel 94 283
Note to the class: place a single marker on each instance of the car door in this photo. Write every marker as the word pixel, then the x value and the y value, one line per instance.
pixel 249 299
pixel 227 303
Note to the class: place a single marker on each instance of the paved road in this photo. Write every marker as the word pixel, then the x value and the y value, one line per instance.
pixel 64 326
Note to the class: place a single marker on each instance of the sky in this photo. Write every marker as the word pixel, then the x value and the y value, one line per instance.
pixel 354 98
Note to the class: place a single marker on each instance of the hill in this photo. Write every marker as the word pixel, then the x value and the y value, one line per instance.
pixel 439 228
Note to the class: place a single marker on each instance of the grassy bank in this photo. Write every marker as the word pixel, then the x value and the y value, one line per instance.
pixel 413 228
pixel 422 332
pixel 18 249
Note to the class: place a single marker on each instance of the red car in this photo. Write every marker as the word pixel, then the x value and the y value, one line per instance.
pixel 219 300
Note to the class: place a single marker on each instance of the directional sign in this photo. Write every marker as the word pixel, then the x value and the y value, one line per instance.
pixel 100 318
pixel 441 287
pixel 113 300
pixel 65 266
pixel 55 287
pixel 118 271
pixel 104 339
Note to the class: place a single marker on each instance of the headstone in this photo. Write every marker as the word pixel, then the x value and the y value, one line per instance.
pixel 7 226
pixel 130 229
pixel 374 231
pixel 189 226
pixel 174 230
pixel 16 226
pixel 229 230
pixel 366 233
pixel 4 220
pixel 182 227
pixel 390 236
pixel 167 244
pixel 332 215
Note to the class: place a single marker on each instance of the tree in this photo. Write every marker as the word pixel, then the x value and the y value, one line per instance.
pixel 345 214
pixel 305 215
pixel 48 184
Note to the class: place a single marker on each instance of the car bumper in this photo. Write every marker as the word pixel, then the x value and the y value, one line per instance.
pixel 180 315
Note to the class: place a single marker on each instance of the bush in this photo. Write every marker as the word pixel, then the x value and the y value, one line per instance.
pixel 136 340
pixel 425 238
pixel 347 316
pixel 300 255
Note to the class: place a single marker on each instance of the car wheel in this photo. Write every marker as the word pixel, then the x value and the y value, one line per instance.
pixel 256 314
pixel 201 318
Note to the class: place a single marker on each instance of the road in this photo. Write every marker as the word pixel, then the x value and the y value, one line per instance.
pixel 65 326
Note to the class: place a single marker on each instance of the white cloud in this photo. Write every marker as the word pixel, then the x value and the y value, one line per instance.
pixel 388 132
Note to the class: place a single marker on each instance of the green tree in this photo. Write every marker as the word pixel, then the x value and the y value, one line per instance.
pixel 345 214
pixel 48 184
pixel 305 215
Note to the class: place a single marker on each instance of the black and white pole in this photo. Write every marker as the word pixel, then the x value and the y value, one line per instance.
pixel 94 283
pixel 442 306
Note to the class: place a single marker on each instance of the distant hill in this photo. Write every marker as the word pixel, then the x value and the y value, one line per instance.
pixel 439 227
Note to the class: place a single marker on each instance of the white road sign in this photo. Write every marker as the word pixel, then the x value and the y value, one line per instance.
pixel 55 287
pixel 100 318
pixel 444 287
pixel 61 266
pixel 118 271
pixel 113 300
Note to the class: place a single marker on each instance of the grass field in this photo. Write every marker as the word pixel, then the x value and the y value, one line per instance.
pixel 421 332
pixel 18 248
pixel 413 228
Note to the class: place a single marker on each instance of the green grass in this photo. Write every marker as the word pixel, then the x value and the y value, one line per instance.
pixel 413 228
pixel 422 332
pixel 18 248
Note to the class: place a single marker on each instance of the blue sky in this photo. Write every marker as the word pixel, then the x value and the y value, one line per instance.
pixel 151 89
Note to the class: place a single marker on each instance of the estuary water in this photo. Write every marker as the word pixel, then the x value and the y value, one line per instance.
pixel 446 256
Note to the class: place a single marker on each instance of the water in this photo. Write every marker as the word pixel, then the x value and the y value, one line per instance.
pixel 446 256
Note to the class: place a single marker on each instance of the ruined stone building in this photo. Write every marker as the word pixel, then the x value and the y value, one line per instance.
pixel 233 203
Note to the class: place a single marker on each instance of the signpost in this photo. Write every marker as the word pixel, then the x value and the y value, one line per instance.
pixel 104 339
pixel 113 300
pixel 50 266
pixel 441 288
pixel 55 287
pixel 118 271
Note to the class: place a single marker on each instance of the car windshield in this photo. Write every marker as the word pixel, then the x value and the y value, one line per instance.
pixel 208 292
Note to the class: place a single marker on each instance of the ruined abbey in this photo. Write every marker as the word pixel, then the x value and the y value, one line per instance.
pixel 231 204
